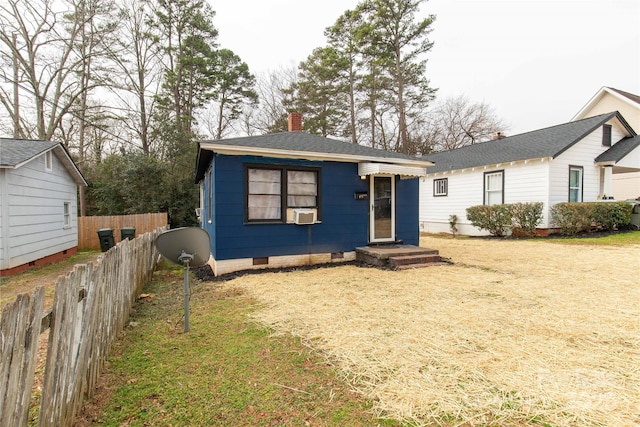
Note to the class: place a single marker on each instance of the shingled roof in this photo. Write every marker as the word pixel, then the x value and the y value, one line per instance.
pixel 547 142
pixel 16 152
pixel 300 145
pixel 619 150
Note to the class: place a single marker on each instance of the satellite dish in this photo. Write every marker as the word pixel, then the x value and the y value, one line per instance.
pixel 187 246
pixel 175 244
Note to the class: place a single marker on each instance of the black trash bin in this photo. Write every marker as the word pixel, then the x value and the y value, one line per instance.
pixel 127 233
pixel 105 235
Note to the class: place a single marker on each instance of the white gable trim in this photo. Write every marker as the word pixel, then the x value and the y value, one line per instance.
pixel 597 97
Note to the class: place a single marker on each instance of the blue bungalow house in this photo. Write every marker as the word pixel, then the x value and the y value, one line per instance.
pixel 293 198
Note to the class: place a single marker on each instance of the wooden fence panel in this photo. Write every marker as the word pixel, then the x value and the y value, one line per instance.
pixel 19 333
pixel 88 226
pixel 82 333
pixel 91 306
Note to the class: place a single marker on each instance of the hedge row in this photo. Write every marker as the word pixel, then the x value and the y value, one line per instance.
pixel 573 218
pixel 520 218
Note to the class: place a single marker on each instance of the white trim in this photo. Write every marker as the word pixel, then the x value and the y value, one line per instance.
pixel 484 167
pixel 307 155
pixel 392 201
pixel 597 97
pixel 239 264
pixel 405 172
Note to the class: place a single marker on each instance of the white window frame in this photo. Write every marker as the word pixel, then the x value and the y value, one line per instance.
pixel 579 187
pixel 66 215
pixel 440 187
pixel 489 192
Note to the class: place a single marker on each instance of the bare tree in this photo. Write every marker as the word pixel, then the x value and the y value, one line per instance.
pixel 457 122
pixel 137 58
pixel 42 40
pixel 271 114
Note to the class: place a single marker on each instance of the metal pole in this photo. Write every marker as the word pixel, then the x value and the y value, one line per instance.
pixel 186 297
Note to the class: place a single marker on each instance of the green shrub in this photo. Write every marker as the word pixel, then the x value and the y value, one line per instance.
pixel 496 219
pixel 575 217
pixel 453 224
pixel 525 218
pixel 521 218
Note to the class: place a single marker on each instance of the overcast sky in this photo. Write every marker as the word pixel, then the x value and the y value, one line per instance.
pixel 537 63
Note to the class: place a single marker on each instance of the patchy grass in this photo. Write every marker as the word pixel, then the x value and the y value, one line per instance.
pixel 623 238
pixel 228 370
pixel 515 332
pixel 615 239
pixel 45 275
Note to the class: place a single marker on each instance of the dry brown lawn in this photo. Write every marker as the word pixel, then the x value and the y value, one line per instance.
pixel 513 333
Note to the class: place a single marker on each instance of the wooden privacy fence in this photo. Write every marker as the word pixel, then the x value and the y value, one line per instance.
pixel 88 226
pixel 91 306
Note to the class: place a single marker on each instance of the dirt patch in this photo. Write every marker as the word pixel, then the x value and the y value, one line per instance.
pixel 46 276
pixel 25 283
pixel 516 332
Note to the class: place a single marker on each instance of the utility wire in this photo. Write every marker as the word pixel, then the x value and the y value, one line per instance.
pixel 86 122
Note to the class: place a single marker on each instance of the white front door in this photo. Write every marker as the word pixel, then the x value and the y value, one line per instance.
pixel 382 207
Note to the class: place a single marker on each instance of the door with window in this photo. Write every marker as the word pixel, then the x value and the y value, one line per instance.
pixel 382 218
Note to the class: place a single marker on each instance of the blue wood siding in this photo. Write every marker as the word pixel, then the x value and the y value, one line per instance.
pixel 408 211
pixel 344 220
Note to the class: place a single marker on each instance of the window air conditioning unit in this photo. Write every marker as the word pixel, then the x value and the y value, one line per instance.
pixel 305 216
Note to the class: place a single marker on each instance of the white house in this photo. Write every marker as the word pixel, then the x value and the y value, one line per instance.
pixel 574 161
pixel 626 184
pixel 38 204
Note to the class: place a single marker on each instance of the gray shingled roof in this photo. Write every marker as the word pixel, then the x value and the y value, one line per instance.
pixel 548 142
pixel 619 150
pixel 15 152
pixel 302 141
pixel 299 142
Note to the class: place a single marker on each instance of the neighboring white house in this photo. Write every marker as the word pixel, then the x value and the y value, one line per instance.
pixel 626 184
pixel 574 161
pixel 38 204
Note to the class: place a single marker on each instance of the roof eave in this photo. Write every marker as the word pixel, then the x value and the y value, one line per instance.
pixel 308 155
pixel 70 165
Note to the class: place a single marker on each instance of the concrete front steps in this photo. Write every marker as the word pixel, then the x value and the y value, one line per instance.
pixel 399 257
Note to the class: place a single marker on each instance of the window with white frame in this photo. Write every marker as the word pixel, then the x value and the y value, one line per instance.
pixel 66 221
pixel 440 187
pixel 575 183
pixel 494 188
pixel 48 161
pixel 270 190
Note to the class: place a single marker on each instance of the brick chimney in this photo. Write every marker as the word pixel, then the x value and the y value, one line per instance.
pixel 498 135
pixel 295 122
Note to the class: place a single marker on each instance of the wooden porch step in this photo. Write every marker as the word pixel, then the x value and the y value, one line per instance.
pixel 399 257
pixel 398 262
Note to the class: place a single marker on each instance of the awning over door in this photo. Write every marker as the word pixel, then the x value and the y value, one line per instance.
pixel 405 172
